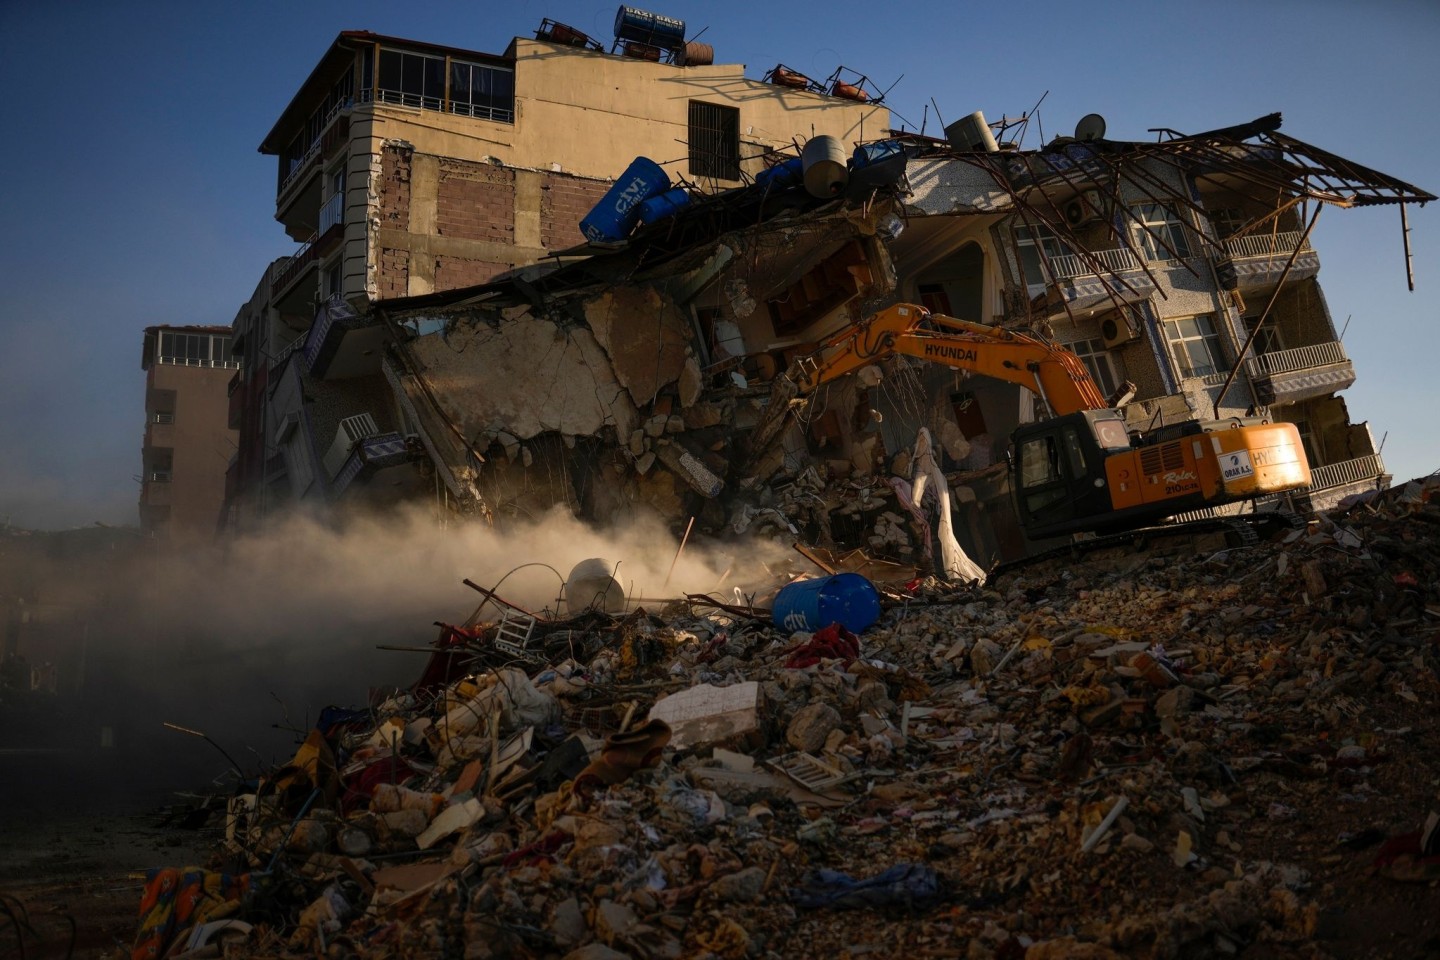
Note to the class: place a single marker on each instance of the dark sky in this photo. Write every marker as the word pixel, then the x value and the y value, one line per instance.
pixel 134 194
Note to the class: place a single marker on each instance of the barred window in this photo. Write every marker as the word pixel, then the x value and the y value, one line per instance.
pixel 714 141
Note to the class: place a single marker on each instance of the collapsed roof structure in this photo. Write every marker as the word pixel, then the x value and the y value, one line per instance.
pixel 632 376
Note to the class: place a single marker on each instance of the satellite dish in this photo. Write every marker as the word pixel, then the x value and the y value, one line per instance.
pixel 1090 127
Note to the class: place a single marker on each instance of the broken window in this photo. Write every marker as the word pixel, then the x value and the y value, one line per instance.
pixel 1194 345
pixel 1029 243
pixel 482 91
pixel 1099 362
pixel 714 141
pixel 1160 232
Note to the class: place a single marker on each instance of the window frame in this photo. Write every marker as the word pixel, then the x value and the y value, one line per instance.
pixel 1178 344
pixel 1148 225
pixel 713 131
pixel 1103 367
pixel 1029 242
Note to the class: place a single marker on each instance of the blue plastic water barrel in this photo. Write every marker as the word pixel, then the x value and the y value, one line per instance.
pixel 868 154
pixel 653 28
pixel 615 215
pixel 846 598
pixel 664 205
pixel 782 175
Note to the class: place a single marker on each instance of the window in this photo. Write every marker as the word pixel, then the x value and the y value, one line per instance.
pixel 195 350
pixel 1194 345
pixel 1039 462
pixel 714 141
pixel 1267 340
pixel 1227 221
pixel 1098 361
pixel 1160 232
pixel 1307 440
pixel 1029 242
pixel 481 91
pixel 332 280
pixel 411 80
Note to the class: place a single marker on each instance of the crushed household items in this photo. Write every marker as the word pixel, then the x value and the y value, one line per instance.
pixel 1161 754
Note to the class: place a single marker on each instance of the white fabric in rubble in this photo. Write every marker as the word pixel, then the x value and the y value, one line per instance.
pixel 956 565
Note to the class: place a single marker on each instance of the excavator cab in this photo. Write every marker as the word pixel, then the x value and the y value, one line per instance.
pixel 1059 480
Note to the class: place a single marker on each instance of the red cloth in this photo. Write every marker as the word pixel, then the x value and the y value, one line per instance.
pixel 832 643
pixel 446 665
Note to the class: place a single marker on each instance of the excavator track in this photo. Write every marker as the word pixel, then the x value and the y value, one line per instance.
pixel 1191 537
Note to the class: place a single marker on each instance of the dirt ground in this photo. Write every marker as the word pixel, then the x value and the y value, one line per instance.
pixel 75 841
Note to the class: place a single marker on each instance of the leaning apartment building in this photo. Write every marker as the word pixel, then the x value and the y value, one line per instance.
pixel 406 168
pixel 444 333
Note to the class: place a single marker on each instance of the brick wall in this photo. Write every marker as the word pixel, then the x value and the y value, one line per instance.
pixel 453 273
pixel 395 187
pixel 475 201
pixel 563 201
pixel 392 274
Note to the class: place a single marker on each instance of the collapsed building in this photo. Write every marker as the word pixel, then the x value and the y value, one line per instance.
pixel 640 372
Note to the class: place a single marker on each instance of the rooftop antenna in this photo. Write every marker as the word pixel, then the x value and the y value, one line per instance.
pixel 924 118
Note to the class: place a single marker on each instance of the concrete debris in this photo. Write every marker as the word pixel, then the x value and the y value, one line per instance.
pixel 1172 755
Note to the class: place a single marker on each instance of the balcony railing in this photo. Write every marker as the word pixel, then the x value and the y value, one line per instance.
pixel 1265 244
pixel 333 213
pixel 1298 358
pixel 320 144
pixel 1346 472
pixel 284 353
pixel 1073 265
pixel 295 266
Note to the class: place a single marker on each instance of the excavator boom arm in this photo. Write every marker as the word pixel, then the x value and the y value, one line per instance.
pixel 1058 376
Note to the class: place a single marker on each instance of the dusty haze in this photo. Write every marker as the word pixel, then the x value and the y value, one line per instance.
pixel 248 641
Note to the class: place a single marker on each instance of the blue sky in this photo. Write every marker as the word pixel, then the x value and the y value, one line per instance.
pixel 135 195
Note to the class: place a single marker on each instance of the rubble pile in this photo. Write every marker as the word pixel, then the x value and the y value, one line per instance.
pixel 1172 754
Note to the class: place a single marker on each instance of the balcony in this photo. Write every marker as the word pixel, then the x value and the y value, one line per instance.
pixel 1290 376
pixel 298 196
pixel 1360 470
pixel 342 344
pixel 156 490
pixel 1084 285
pixel 286 292
pixel 372 455
pixel 160 433
pixel 1259 259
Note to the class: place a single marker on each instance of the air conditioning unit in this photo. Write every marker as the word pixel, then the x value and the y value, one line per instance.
pixel 1086 208
pixel 350 432
pixel 1116 330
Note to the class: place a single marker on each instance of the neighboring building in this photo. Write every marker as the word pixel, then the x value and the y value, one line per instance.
pixel 187 443
pixel 407 168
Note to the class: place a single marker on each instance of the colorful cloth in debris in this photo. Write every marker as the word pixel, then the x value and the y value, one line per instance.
pixel 177 899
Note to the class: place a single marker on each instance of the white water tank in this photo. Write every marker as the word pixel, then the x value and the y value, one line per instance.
pixel 591 587
pixel 825 166
pixel 971 134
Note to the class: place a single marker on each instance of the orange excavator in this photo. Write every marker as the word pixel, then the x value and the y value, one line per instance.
pixel 1080 470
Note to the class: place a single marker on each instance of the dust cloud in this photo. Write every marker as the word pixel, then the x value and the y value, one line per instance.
pixel 246 642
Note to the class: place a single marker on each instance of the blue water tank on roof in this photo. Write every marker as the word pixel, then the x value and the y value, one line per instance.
pixel 656 29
